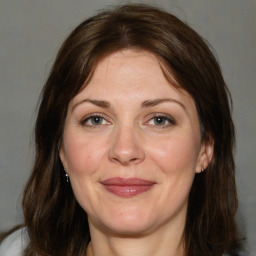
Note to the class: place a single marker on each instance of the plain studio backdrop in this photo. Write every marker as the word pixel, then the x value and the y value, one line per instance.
pixel 31 33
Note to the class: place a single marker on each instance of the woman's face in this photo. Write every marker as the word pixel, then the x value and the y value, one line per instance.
pixel 132 146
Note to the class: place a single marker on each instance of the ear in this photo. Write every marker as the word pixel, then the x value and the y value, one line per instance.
pixel 205 155
pixel 63 159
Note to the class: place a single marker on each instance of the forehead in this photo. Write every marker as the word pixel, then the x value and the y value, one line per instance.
pixel 131 70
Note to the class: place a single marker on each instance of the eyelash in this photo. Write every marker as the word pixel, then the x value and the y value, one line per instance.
pixel 171 121
pixel 166 118
pixel 90 117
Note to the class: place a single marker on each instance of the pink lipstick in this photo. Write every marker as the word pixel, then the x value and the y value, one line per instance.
pixel 127 187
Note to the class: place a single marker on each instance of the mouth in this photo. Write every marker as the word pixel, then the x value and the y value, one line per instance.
pixel 127 187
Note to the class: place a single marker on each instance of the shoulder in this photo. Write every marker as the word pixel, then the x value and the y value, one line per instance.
pixel 14 244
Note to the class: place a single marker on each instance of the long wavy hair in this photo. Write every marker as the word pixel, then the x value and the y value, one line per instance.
pixel 55 222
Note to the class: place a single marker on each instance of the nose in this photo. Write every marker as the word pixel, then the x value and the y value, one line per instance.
pixel 125 147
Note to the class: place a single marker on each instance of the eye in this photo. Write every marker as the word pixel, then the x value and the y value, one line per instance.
pixel 161 121
pixel 94 120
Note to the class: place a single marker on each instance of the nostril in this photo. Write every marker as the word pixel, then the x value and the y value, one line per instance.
pixel 126 161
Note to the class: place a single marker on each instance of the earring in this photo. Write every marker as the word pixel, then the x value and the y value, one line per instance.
pixel 202 170
pixel 67 177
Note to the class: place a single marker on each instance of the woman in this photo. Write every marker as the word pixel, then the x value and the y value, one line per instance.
pixel 134 144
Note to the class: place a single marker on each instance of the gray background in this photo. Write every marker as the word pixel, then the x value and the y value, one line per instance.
pixel 30 35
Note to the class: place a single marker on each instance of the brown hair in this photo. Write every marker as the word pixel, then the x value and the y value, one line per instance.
pixel 56 224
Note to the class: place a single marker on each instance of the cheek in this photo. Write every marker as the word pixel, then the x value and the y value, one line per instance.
pixel 82 155
pixel 177 154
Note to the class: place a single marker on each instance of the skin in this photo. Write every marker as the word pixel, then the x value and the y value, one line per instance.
pixel 144 128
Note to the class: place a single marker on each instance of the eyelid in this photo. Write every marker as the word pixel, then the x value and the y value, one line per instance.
pixel 87 117
pixel 167 117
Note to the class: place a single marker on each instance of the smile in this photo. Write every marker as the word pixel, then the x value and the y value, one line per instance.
pixel 127 187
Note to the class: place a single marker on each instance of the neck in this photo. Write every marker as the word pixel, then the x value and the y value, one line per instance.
pixel 159 243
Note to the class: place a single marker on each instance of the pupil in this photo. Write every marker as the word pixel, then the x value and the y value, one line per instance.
pixel 159 120
pixel 96 120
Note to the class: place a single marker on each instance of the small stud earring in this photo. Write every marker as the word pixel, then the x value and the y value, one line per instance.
pixel 202 168
pixel 67 177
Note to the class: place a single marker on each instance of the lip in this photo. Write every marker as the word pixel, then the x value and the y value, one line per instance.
pixel 127 187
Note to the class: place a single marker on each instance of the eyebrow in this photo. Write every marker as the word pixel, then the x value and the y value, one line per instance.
pixel 152 103
pixel 99 103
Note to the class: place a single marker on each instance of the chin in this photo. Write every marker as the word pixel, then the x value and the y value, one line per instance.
pixel 129 223
pixel 129 230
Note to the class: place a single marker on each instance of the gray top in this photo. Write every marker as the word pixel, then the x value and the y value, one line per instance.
pixel 14 244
